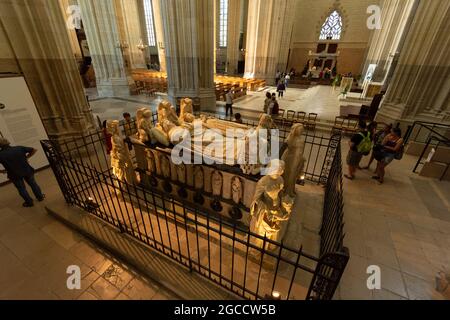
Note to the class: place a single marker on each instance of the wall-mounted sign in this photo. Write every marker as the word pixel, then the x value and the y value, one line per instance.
pixel 19 120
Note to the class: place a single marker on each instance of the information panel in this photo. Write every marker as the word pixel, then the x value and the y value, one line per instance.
pixel 19 120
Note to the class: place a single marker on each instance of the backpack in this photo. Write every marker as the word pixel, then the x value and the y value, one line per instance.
pixel 365 145
pixel 275 109
pixel 399 154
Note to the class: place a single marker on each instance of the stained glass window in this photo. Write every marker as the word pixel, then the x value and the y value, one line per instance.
pixel 332 28
pixel 223 23
pixel 149 23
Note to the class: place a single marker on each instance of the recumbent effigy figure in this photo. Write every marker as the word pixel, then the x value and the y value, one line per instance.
pixel 121 162
pixel 147 133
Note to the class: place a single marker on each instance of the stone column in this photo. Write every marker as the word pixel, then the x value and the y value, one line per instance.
pixel 385 42
pixel 269 31
pixel 130 30
pixel 189 44
pixel 37 33
pixel 420 86
pixel 102 33
pixel 68 9
pixel 159 31
pixel 234 33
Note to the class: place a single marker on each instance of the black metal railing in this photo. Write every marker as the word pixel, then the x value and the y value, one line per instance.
pixel 249 265
pixel 433 136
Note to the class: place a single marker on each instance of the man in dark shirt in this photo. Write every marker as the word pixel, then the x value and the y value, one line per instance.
pixel 15 162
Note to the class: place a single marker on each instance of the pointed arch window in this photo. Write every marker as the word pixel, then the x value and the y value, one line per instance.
pixel 332 27
pixel 148 10
pixel 223 23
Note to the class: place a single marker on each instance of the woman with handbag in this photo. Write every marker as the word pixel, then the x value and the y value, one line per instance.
pixel 378 143
pixel 391 149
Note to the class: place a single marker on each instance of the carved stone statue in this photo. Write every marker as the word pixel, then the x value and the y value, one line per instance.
pixel 186 111
pixel 181 173
pixel 165 170
pixel 198 178
pixel 236 189
pixel 144 125
pixel 293 155
pixel 165 167
pixel 266 122
pixel 146 131
pixel 151 161
pixel 269 212
pixel 256 140
pixel 169 123
pixel 216 183
pixel 121 162
pixel 167 112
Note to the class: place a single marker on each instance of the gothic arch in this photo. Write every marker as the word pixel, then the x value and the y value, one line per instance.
pixel 337 6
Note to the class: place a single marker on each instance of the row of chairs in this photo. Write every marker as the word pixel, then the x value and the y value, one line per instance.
pixel 237 91
pixel 150 86
pixel 345 124
pixel 299 116
pixel 308 120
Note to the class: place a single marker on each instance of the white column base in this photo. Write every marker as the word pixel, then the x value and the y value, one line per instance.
pixel 118 87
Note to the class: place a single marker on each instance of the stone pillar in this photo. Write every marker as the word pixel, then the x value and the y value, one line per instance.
pixel 234 33
pixel 159 31
pixel 420 86
pixel 385 42
pixel 68 9
pixel 269 31
pixel 189 45
pixel 103 36
pixel 130 31
pixel 38 36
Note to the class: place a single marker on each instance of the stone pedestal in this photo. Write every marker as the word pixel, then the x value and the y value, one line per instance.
pixel 103 35
pixel 189 45
pixel 269 30
pixel 37 34
pixel 420 86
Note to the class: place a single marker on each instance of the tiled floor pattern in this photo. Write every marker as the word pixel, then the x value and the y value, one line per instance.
pixel 35 251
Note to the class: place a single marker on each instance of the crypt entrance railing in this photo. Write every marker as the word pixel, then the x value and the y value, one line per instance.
pixel 247 264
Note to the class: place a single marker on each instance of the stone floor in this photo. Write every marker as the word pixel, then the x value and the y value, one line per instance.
pixel 403 226
pixel 35 251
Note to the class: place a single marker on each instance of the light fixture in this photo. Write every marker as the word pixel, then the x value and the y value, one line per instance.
pixel 276 295
pixel 91 205
pixel 302 180
pixel 141 46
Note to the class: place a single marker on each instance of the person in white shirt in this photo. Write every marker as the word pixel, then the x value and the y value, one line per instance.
pixel 286 80
pixel 229 103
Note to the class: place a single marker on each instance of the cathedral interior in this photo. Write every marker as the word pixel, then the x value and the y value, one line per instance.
pixel 225 149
